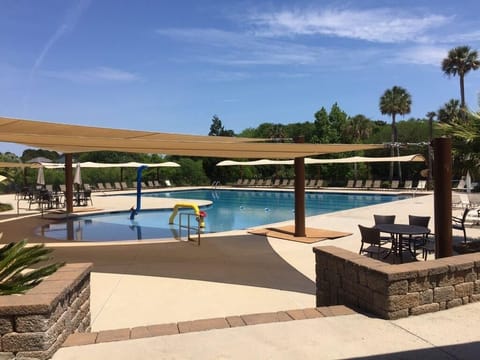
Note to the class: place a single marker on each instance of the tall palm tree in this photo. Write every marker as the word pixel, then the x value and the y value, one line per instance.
pixel 395 101
pixel 460 61
pixel 450 112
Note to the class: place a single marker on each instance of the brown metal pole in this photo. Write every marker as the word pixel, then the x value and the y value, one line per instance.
pixel 300 193
pixel 68 183
pixel 442 175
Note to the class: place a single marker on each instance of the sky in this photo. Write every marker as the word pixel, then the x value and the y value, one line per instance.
pixel 170 66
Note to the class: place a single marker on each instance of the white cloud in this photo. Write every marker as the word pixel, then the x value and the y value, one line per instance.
pixel 422 55
pixel 375 25
pixel 99 74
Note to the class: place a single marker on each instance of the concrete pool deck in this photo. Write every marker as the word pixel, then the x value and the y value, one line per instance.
pixel 237 273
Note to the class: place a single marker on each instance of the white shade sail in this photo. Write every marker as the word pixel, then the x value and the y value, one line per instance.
pixel 309 161
pixel 89 164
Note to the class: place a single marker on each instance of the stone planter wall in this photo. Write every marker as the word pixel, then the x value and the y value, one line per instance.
pixel 35 325
pixel 395 291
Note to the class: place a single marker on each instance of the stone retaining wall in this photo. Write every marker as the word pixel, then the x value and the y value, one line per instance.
pixel 395 291
pixel 35 325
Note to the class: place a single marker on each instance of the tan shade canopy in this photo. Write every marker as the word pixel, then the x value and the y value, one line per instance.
pixel 352 159
pixel 74 138
pixel 19 165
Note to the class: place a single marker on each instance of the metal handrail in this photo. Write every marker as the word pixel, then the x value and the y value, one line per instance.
pixel 188 227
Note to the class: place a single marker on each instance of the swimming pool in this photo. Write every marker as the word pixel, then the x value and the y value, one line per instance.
pixel 230 210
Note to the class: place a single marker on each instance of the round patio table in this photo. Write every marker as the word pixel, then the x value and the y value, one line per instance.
pixel 399 231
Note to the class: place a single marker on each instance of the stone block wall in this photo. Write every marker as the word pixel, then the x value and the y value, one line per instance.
pixel 395 291
pixel 35 325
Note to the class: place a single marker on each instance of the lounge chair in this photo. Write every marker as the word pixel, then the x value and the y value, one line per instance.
pixel 284 183
pixel 311 183
pixel 260 182
pixel 100 187
pixel 359 184
pixel 239 182
pixel 150 184
pixel 124 185
pixel 268 182
pixel 168 183
pixel 157 184
pixel 350 184
pixel 276 183
pixel 408 184
pixel 108 186
pixel 252 182
pixel 377 184
pixel 422 185
pixel 245 182
pixel 320 183
pixel 394 184
pixel 368 184
pixel 117 185
pixel 461 185
pixel 291 183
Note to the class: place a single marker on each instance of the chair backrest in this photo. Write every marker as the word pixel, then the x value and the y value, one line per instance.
pixel 408 184
pixel 461 184
pixel 368 183
pixel 319 183
pixel 350 183
pixel 359 183
pixel 369 235
pixel 418 220
pixel 383 219
pixel 377 183
pixel 395 184
pixel 422 184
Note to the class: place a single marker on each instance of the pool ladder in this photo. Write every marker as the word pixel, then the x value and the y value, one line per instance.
pixel 215 184
pixel 188 227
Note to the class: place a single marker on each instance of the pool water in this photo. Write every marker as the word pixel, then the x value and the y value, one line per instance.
pixel 230 210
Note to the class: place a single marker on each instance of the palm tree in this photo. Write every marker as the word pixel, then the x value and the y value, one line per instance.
pixel 395 101
pixel 460 61
pixel 15 259
pixel 450 112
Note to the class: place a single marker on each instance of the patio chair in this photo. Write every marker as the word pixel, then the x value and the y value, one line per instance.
pixel 418 241
pixel 108 186
pixel 124 185
pixel 276 183
pixel 100 187
pixel 461 185
pixel 168 183
pixel 370 241
pixel 284 183
pixel 239 182
pixel 268 182
pixel 150 184
pixel 319 183
pixel 368 184
pixel 291 183
pixel 350 184
pixel 260 182
pixel 117 185
pixel 157 184
pixel 384 219
pixel 394 184
pixel 377 184
pixel 458 223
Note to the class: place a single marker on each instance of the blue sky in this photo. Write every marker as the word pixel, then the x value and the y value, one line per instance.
pixel 171 65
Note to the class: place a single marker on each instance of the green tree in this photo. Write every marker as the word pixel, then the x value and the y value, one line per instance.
pixel 395 101
pixel 450 112
pixel 358 129
pixel 15 259
pixel 460 61
pixel 323 129
pixel 338 122
pixel 217 129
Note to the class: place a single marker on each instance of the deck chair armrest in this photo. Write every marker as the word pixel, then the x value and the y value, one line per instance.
pixel 457 219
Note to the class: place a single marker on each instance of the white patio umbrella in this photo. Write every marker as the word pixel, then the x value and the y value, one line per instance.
pixel 2 178
pixel 468 182
pixel 77 179
pixel 40 176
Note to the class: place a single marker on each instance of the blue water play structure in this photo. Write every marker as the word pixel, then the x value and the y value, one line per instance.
pixel 134 212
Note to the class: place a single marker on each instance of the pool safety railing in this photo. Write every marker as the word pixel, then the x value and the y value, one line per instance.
pixel 215 184
pixel 189 216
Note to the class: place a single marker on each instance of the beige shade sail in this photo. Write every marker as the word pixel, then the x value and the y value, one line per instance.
pixel 19 165
pixel 74 138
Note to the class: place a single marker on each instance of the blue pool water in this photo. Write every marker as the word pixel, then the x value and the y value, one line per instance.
pixel 230 210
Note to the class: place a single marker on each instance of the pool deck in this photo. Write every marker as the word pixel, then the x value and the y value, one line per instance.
pixel 235 273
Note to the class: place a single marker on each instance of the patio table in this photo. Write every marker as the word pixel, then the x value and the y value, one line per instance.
pixel 399 231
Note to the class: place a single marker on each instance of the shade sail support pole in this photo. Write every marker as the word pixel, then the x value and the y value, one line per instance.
pixel 139 188
pixel 442 195
pixel 68 183
pixel 299 164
